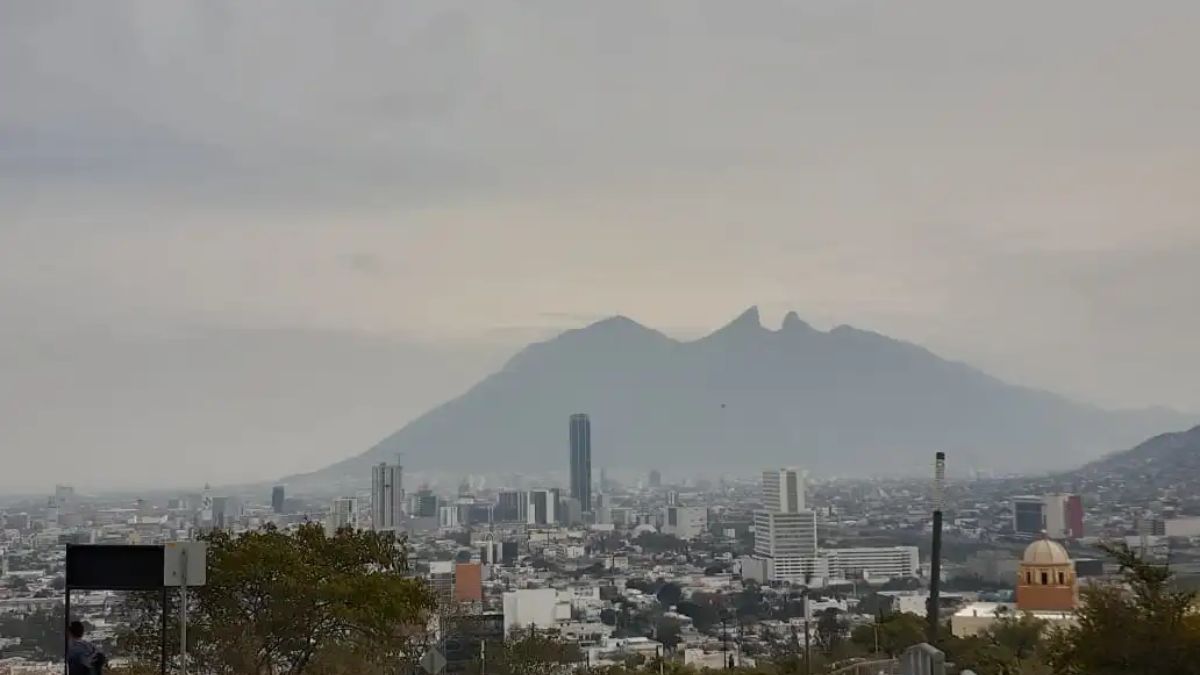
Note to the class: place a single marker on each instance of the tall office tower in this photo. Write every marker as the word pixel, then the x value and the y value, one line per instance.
pixel 542 508
pixel 581 460
pixel 512 506
pixel 783 490
pixel 343 512
pixel 387 496
pixel 277 499
pixel 655 478
pixel 785 533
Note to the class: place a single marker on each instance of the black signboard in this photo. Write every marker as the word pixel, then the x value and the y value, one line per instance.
pixel 114 568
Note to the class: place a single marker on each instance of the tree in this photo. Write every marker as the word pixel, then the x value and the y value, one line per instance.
pixel 528 652
pixel 294 603
pixel 703 612
pixel 831 631
pixel 1139 627
pixel 670 594
pixel 896 632
pixel 667 632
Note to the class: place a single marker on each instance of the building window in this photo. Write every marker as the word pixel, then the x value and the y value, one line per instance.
pixel 1045 579
pixel 1061 580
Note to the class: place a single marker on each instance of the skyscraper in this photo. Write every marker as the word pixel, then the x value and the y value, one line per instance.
pixel 581 460
pixel 543 507
pixel 783 490
pixel 512 506
pixel 785 533
pixel 387 496
pixel 277 499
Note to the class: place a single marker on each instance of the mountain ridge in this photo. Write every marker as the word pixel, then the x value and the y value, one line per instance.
pixel 834 401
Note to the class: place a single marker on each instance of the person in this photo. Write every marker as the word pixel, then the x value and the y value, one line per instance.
pixel 83 658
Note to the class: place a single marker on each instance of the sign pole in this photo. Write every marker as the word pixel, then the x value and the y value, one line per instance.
pixel 162 665
pixel 66 629
pixel 183 581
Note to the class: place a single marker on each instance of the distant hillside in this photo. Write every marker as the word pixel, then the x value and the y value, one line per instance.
pixel 1162 460
pixel 843 402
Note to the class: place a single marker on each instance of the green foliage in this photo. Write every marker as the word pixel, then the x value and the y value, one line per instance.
pixel 528 652
pixel 294 603
pixel 669 594
pixel 831 631
pixel 704 610
pixel 654 542
pixel 1141 627
pixel 667 631
pixel 896 632
pixel 1010 646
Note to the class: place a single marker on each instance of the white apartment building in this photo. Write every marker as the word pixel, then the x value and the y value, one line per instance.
pixel 343 512
pixel 880 563
pixel 783 490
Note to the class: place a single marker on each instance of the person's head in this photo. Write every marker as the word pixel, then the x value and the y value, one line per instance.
pixel 76 629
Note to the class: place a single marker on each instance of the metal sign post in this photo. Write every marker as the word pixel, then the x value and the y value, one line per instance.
pixel 183 581
pixel 185 563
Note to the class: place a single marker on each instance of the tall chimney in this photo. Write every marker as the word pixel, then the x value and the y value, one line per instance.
pixel 935 556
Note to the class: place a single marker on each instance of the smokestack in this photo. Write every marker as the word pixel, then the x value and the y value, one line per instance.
pixel 935 556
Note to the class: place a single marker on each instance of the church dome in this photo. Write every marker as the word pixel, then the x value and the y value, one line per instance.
pixel 1046 552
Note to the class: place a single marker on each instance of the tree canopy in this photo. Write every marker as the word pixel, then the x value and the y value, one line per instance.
pixel 296 602
pixel 1139 627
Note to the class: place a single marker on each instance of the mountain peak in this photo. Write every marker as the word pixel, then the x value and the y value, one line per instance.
pixel 792 323
pixel 748 322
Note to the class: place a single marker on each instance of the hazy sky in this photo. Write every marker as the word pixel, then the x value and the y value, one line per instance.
pixel 243 239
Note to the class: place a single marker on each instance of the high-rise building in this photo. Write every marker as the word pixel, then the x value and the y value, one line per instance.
pixel 783 490
pixel 277 499
pixel 512 506
pixel 581 460
pixel 1029 515
pixel 221 512
pixel 343 512
pixel 1074 517
pixel 785 533
pixel 1058 516
pixel 387 496
pixel 655 478
pixel 542 508
pixel 449 517
pixel 424 504
pixel 685 522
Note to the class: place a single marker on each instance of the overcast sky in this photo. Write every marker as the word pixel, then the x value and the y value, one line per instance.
pixel 243 239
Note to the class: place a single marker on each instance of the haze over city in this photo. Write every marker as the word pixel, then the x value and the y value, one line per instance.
pixel 241 241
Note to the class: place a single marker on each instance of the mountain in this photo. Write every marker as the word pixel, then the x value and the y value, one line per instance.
pixel 1162 460
pixel 842 402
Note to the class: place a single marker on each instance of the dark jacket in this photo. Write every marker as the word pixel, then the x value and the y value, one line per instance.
pixel 82 658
